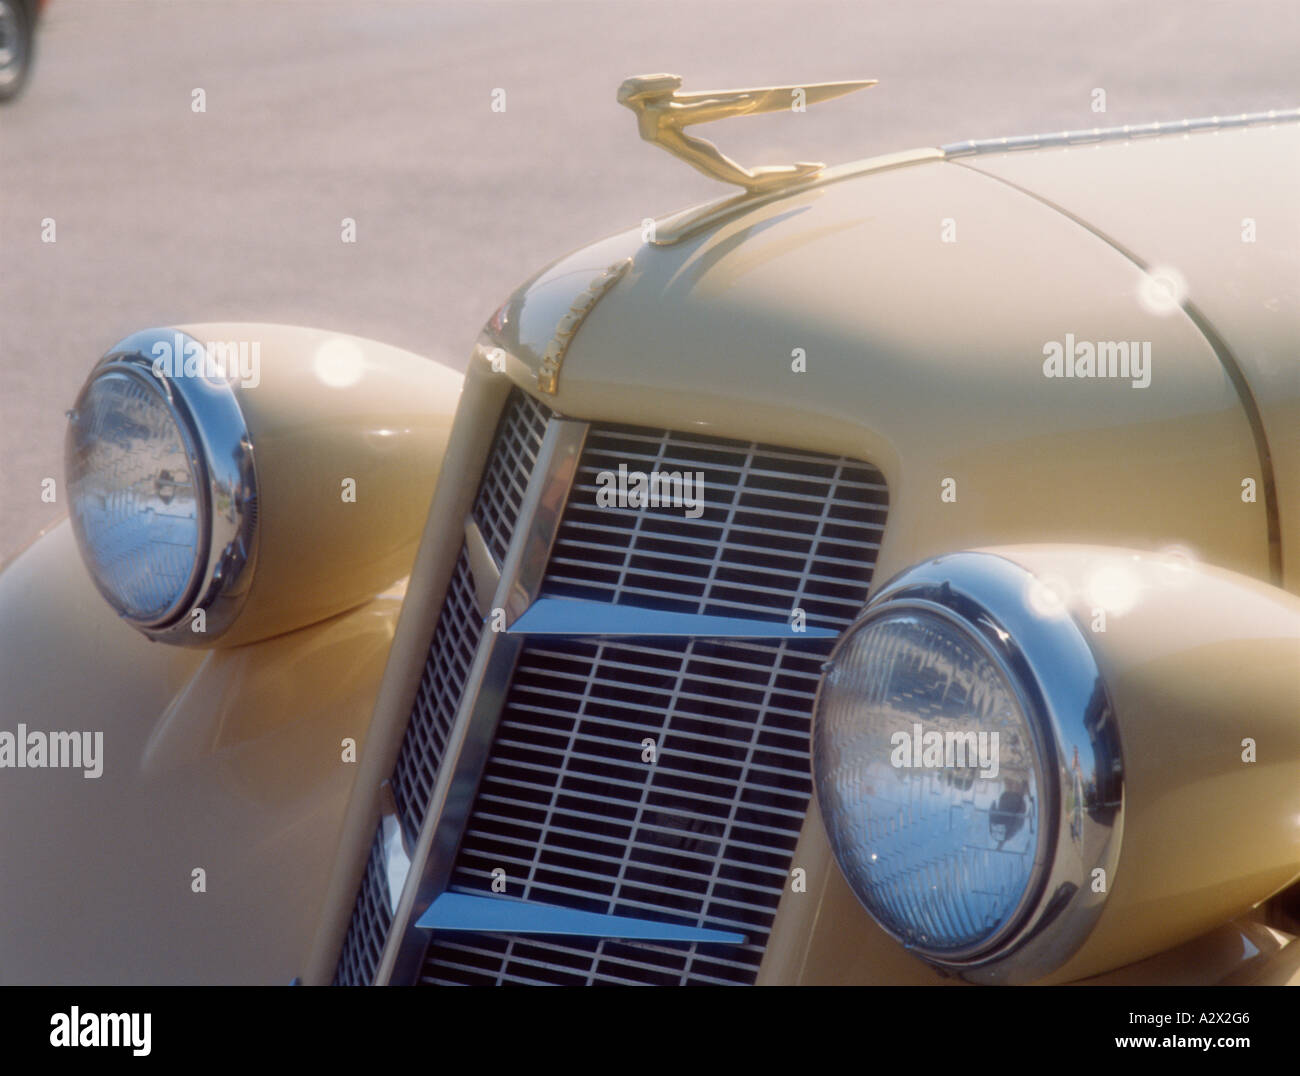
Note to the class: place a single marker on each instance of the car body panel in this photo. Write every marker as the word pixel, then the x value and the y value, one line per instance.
pixel 328 407
pixel 231 761
pixel 1241 266
pixel 1202 669
pixel 925 359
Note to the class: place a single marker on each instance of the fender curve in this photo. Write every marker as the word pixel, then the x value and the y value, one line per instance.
pixel 230 762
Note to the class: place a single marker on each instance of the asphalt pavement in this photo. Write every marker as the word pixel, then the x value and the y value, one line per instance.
pixel 317 110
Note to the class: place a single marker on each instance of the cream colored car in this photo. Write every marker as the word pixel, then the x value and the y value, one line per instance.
pixel 886 574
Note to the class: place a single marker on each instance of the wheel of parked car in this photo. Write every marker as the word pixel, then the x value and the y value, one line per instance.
pixel 16 25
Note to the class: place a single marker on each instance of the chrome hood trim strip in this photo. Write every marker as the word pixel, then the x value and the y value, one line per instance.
pixel 1049 140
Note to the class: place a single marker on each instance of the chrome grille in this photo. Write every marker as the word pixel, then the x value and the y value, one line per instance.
pixel 445 672
pixel 496 511
pixel 514 454
pixel 368 929
pixel 780 530
pixel 416 769
pixel 455 638
pixel 704 836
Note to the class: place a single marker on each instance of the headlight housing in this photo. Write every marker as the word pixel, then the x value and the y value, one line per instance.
pixel 161 487
pixel 968 768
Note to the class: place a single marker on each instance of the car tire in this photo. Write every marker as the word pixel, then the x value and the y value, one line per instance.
pixel 16 27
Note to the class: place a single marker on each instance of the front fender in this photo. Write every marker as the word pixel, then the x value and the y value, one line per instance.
pixel 229 762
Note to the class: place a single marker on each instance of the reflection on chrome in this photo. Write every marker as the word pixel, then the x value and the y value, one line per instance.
pixel 162 492
pixel 991 876
pixel 933 852
pixel 136 510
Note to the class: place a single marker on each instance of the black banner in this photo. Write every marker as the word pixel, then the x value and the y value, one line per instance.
pixel 669 1027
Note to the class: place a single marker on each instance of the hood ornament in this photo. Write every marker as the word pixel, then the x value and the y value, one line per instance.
pixel 662 111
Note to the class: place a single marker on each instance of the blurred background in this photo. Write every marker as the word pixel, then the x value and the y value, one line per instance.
pixel 380 110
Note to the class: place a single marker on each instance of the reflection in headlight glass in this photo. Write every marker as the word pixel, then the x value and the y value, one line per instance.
pixel 928 781
pixel 133 496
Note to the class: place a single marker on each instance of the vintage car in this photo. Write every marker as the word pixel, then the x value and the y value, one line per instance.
pixel 18 21
pixel 888 573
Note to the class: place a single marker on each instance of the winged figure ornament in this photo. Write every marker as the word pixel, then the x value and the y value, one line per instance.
pixel 662 110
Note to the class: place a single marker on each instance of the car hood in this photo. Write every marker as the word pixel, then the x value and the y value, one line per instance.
pixel 919 300
pixel 1214 212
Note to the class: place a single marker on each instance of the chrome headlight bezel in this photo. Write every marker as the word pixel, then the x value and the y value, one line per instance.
pixel 1020 621
pixel 206 411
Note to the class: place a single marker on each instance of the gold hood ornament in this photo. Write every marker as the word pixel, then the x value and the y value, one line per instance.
pixel 662 111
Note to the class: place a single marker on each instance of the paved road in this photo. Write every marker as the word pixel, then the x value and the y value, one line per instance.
pixel 319 110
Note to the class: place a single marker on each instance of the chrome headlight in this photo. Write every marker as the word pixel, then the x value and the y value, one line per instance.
pixel 968 769
pixel 161 487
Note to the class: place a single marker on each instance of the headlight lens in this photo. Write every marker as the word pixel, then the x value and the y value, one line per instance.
pixel 968 768
pixel 136 495
pixel 929 781
pixel 162 489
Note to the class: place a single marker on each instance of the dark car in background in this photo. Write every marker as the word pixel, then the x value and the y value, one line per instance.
pixel 18 20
